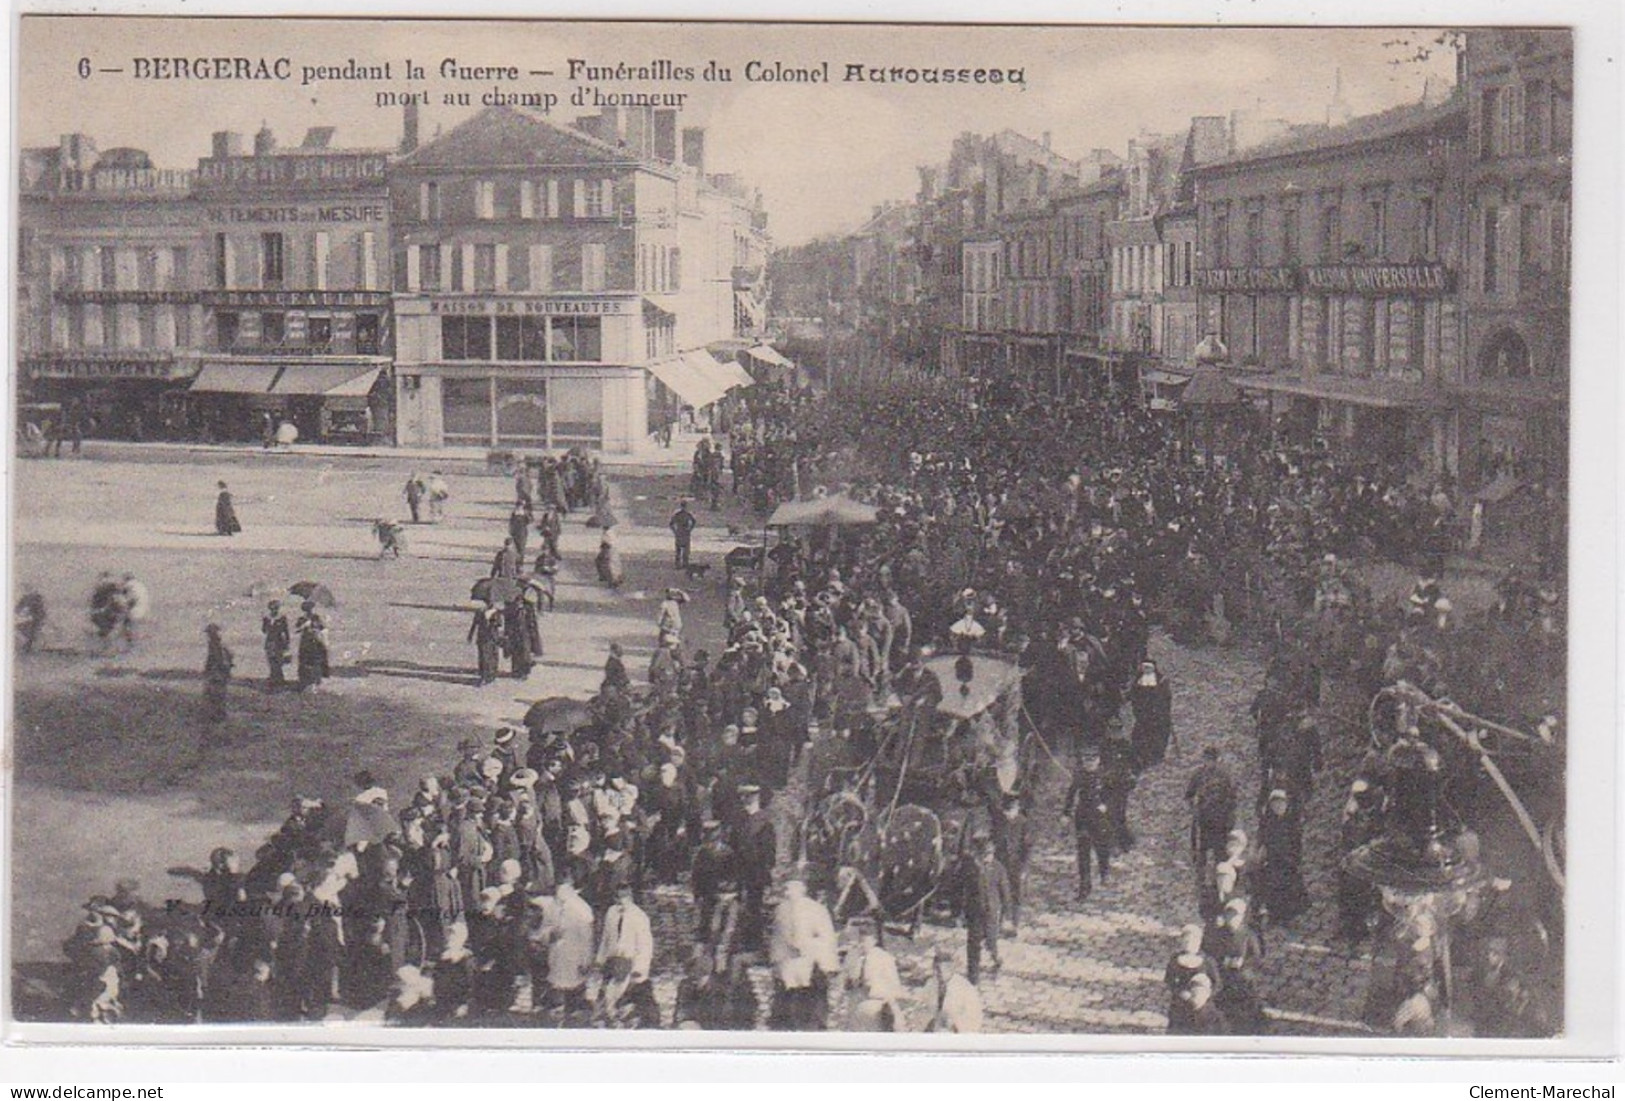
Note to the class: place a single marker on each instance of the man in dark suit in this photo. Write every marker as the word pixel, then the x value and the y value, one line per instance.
pixel 757 849
pixel 1086 806
pixel 682 526
pixel 278 643
pixel 986 888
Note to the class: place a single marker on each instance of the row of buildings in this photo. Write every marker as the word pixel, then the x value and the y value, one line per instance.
pixel 1396 284
pixel 514 282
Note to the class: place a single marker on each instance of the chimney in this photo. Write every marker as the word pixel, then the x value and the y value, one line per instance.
pixel 409 127
pixel 694 148
pixel 611 128
pixel 1046 139
pixel 264 141
pixel 1210 139
pixel 78 152
pixel 665 136
pixel 640 132
pixel 227 143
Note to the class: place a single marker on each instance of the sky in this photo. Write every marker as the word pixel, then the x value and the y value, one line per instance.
pixel 822 155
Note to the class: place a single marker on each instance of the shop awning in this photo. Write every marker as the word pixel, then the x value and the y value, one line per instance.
pixel 234 378
pixel 333 380
pixel 770 355
pixel 1155 377
pixel 692 377
pixel 731 373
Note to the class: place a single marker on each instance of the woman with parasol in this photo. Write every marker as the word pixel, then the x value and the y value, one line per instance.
pixel 313 655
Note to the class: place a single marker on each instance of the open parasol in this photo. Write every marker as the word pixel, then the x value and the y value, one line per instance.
pixel 836 509
pixel 494 590
pixel 557 714
pixel 315 592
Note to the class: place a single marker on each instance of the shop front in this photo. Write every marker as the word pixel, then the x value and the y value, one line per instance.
pixel 242 399
pixel 115 395
pixel 520 372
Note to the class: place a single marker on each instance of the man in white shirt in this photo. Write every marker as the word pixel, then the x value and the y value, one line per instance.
pixel 803 956
pixel 569 934
pixel 625 955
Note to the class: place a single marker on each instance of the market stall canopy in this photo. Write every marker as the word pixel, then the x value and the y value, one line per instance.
pixel 991 679
pixel 1210 390
pixel 333 380
pixel 234 378
pixel 692 376
pixel 837 509
pixel 1155 377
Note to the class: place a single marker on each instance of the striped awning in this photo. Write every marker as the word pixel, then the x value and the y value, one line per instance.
pixel 234 378
pixel 334 380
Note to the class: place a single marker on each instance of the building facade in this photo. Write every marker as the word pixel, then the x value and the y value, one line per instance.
pixel 1518 89
pixel 1328 264
pixel 296 306
pixel 108 290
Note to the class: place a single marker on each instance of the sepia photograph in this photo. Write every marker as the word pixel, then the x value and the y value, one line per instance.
pixel 804 528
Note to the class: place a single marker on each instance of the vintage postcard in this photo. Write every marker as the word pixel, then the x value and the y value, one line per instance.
pixel 543 531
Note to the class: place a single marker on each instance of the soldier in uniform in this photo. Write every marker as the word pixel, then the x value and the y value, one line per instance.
pixel 757 847
pixel 278 643
pixel 682 526
pixel 1086 806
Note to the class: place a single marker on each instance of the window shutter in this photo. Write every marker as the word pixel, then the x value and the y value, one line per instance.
pixel 231 264
pixel 552 198
pixel 608 201
pixel 578 197
pixel 527 198
pixel 423 201
pixel 541 267
pixel 502 267
pixel 467 253
pixel 414 266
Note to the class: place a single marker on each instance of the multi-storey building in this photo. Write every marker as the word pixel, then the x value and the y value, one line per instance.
pixel 1327 264
pixel 108 291
pixel 981 323
pixel 1082 217
pixel 296 301
pixel 551 279
pixel 1518 90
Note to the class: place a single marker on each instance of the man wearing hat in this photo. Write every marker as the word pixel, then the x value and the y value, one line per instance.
pixel 682 524
pixel 714 882
pixel 756 844
pixel 506 750
pixel 1086 806
pixel 467 771
pixel 278 643
pixel 985 902
pixel 1211 793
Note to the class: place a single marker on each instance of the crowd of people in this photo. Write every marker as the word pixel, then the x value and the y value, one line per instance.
pixel 513 888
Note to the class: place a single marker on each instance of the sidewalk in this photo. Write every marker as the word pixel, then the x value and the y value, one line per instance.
pixel 649 455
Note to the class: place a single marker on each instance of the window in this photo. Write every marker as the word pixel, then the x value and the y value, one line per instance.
pixel 527 198
pixel 1489 116
pixel 429 201
pixel 367 334
pixel 1376 229
pixel 541 267
pixel 109 268
pixel 518 269
pixel 1331 235
pixel 1221 240
pixel 675 259
pixel 319 332
pixel 1255 236
pixel 147 270
pixel 465 338
pixel 485 268
pixel 577 339
pixel 1537 118
pixel 429 277
pixel 225 331
pixel 592 266
pixel 485 199
pixel 1559 218
pixel 1492 249
pixel 1290 245
pixel 273 329
pixel 272 255
pixel 522 338
pixel 1427 243
pixel 552 209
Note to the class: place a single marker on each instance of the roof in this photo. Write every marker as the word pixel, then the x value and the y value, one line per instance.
pixel 1404 119
pixel 1020 145
pixel 514 136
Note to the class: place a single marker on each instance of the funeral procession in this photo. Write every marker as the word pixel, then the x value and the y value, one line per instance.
pixel 1093 562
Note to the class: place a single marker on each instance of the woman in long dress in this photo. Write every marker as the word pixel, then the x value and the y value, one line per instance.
pixel 1152 701
pixel 313 659
pixel 610 571
pixel 225 513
